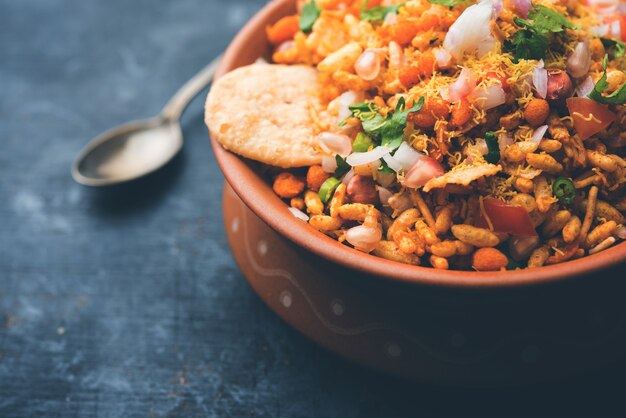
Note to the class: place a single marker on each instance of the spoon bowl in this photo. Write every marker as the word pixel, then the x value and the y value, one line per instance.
pixel 137 148
pixel 128 151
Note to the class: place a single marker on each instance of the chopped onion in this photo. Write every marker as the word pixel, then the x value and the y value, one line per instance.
pixel 348 176
pixel 384 195
pixel 443 57
pixel 423 170
pixel 341 105
pixel 522 7
pixel 600 30
pixel 489 97
pixel 406 155
pixel 538 134
pixel 367 66
pixel 481 146
pixel 463 85
pixel 579 62
pixel 332 143
pixel 360 158
pixel 470 30
pixel 329 164
pixel 364 238
pixel 299 214
pixel 540 81
pixel 621 232
pixel 585 87
pixel 504 140
pixel 394 164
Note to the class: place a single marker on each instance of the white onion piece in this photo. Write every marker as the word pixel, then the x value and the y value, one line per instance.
pixel 443 57
pixel 407 156
pixel 497 8
pixel 600 30
pixel 348 176
pixel 394 164
pixel 332 143
pixel 329 164
pixel 481 146
pixel 385 179
pixel 367 66
pixel 621 232
pixel 489 97
pixel 470 30
pixel 299 214
pixel 585 87
pixel 424 169
pixel 579 61
pixel 384 195
pixel 364 238
pixel 340 106
pixel 504 140
pixel 538 134
pixel 540 81
pixel 360 158
pixel 522 7
pixel 463 85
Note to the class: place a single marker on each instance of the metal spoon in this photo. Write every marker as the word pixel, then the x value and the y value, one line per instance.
pixel 140 147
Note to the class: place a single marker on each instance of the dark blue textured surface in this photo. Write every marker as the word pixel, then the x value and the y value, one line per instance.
pixel 126 302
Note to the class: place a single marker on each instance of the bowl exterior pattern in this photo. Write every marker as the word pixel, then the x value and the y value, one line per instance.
pixel 475 339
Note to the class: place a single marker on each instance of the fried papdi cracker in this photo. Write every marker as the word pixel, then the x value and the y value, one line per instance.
pixel 264 112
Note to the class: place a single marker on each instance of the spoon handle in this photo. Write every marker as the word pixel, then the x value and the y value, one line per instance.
pixel 174 108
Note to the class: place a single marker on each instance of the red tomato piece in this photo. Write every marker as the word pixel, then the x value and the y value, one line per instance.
pixel 589 116
pixel 506 218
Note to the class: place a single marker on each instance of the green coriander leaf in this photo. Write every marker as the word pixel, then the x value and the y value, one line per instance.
pixel 447 3
pixel 527 44
pixel 393 130
pixel 342 166
pixel 616 48
pixel 310 13
pixel 547 20
pixel 617 97
pixel 378 13
pixel 384 168
pixel 493 153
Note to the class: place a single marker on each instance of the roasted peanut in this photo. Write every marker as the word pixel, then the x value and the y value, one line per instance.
pixel 390 251
pixel 489 259
pixel 313 203
pixel 559 85
pixel 362 189
pixel 478 237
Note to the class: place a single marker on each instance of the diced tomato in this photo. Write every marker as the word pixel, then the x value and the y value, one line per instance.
pixel 589 116
pixel 622 27
pixel 506 218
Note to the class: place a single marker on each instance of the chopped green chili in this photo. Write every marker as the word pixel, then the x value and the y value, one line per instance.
pixel 328 188
pixel 493 153
pixel 564 190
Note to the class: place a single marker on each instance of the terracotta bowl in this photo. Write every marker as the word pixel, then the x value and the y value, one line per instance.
pixel 465 328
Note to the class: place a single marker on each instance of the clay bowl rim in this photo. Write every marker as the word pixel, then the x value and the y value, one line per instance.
pixel 259 197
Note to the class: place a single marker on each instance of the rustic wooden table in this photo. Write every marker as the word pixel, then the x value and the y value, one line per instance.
pixel 126 302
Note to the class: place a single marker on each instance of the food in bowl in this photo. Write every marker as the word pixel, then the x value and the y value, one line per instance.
pixel 452 134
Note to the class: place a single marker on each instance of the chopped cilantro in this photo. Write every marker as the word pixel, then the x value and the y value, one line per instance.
pixel 310 13
pixel 617 97
pixel 378 13
pixel 384 168
pixel 493 153
pixel 389 130
pixel 342 166
pixel 615 48
pixel 532 42
pixel 447 3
